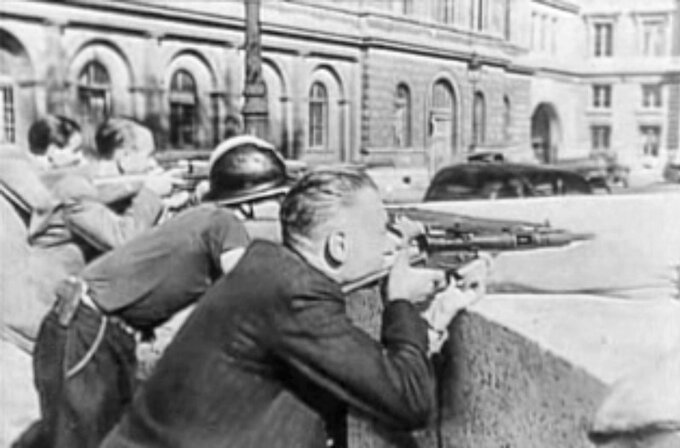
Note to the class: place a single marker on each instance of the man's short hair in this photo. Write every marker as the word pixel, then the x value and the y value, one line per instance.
pixel 50 129
pixel 315 199
pixel 117 133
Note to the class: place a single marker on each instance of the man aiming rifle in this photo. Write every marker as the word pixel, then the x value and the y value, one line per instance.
pixel 269 357
pixel 85 361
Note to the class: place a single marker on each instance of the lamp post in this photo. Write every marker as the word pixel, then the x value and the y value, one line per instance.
pixel 255 114
pixel 474 75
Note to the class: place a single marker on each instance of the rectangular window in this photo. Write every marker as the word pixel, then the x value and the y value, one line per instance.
pixel 651 136
pixel 8 125
pixel 481 15
pixel 544 32
pixel 317 125
pixel 402 118
pixel 95 102
pixel 602 96
pixel 651 96
pixel 600 137
pixel 445 11
pixel 507 28
pixel 182 124
pixel 602 39
pixel 653 38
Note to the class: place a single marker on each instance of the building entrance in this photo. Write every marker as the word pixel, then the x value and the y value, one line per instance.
pixel 545 133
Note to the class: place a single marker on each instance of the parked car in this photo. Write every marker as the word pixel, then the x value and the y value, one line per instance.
pixel 483 180
pixel 601 170
pixel 486 156
pixel 671 170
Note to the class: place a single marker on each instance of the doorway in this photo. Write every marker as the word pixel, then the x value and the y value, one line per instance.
pixel 545 133
pixel 442 126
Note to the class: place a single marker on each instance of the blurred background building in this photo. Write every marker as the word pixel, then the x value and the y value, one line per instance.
pixel 606 78
pixel 406 82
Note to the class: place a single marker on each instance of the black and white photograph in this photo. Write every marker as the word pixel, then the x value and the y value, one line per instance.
pixel 340 223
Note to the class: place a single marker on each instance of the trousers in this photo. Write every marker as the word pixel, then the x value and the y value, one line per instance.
pixel 85 374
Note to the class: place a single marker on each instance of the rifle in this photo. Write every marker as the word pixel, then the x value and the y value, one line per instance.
pixel 194 171
pixel 451 241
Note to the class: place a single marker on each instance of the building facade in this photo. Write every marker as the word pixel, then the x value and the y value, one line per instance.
pixel 606 79
pixel 403 82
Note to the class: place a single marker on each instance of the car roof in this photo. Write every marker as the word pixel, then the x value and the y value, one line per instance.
pixel 503 169
pixel 478 174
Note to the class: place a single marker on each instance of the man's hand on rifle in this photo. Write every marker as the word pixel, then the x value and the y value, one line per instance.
pixel 162 183
pixel 412 283
pixel 406 230
pixel 462 292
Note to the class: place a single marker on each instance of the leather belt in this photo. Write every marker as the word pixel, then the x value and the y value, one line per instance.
pixel 75 291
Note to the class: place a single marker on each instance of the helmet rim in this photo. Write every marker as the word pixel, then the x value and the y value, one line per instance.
pixel 257 193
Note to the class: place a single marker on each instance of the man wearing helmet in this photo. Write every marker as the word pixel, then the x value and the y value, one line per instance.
pixel 85 362
pixel 270 359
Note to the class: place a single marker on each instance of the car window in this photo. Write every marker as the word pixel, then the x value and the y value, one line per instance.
pixel 574 185
pixel 555 183
pixel 475 182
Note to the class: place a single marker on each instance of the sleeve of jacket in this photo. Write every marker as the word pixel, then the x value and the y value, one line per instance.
pixel 103 229
pixel 391 380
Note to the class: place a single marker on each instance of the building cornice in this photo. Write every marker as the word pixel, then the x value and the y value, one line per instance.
pixel 445 53
pixel 560 4
pixel 164 11
pixel 29 18
pixel 196 39
pixel 220 22
pixel 217 26
pixel 105 27
pixel 591 75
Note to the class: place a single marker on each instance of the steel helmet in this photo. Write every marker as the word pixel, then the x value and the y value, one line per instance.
pixel 245 169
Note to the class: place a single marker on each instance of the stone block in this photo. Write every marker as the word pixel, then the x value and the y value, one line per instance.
pixel 496 388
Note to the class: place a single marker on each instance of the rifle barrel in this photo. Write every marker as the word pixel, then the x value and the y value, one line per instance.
pixel 504 241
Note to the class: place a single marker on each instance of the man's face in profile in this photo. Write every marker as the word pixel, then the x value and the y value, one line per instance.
pixel 68 155
pixel 364 224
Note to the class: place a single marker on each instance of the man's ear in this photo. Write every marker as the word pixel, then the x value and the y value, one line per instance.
pixel 336 248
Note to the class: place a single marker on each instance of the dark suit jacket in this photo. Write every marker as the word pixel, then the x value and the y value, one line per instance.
pixel 270 359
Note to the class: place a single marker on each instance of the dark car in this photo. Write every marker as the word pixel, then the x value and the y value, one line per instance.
pixel 601 170
pixel 671 171
pixel 480 180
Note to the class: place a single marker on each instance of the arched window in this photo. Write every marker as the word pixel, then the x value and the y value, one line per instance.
pixel 441 95
pixel 8 122
pixel 94 91
pixel 507 119
pixel 183 107
pixel 402 117
pixel 318 116
pixel 479 119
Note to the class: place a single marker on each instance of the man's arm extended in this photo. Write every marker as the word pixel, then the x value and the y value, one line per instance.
pixel 102 228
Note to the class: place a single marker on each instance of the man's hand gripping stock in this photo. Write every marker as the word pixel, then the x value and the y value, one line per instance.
pixel 440 294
